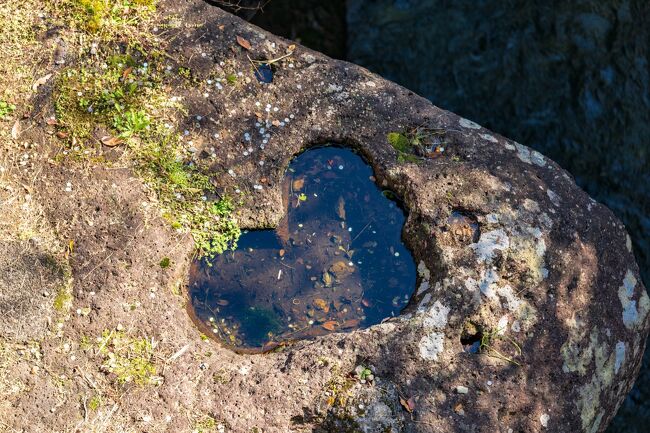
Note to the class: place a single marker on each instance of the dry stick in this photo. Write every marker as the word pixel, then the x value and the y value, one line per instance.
pixel 359 234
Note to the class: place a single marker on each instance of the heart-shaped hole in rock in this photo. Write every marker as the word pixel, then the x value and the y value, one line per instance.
pixel 336 262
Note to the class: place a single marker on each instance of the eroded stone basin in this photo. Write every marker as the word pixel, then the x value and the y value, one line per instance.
pixel 336 262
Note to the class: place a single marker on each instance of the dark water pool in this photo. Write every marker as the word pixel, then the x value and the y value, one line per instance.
pixel 335 263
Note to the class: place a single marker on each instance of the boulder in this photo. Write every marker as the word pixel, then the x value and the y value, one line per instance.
pixel 528 315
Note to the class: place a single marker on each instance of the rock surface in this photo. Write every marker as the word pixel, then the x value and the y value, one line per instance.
pixel 550 287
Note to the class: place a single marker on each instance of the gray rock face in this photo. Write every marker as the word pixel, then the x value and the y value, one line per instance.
pixel 536 273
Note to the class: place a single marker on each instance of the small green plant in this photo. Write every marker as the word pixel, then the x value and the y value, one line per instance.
pixel 95 402
pixel 95 16
pixel 205 424
pixel 131 123
pixel 165 263
pixel 6 109
pixel 417 143
pixel 488 340
pixel 130 359
pixel 127 96
pixel 302 197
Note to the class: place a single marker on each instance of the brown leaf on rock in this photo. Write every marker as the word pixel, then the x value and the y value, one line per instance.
pixel 244 43
pixel 407 404
pixel 111 141
pixel 15 130
pixel 41 81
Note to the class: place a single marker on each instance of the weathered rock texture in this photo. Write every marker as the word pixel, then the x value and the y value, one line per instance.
pixel 552 272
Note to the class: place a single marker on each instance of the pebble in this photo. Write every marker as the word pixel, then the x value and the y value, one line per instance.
pixel 460 389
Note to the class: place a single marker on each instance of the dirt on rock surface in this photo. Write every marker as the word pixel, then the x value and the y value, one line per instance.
pixel 511 254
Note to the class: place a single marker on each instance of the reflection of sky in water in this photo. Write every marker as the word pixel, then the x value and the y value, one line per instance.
pixel 335 263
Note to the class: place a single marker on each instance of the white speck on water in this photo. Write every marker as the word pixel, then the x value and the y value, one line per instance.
pixel 340 167
pixel 396 254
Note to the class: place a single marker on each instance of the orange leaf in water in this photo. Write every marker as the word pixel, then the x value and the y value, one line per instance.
pixel 330 325
pixel 298 184
pixel 244 43
pixel 222 302
pixel 350 323
pixel 321 304
pixel 340 208
pixel 281 253
pixel 365 302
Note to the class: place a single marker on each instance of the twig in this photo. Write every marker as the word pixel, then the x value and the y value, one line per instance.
pixel 362 230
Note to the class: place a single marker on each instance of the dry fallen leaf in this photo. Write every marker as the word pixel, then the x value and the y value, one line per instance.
pixel 222 302
pixel 111 141
pixel 221 27
pixel 51 121
pixel 291 47
pixel 298 184
pixel 365 302
pixel 15 131
pixel 62 135
pixel 275 123
pixel 340 208
pixel 330 325
pixel 244 43
pixel 408 405
pixel 281 253
pixel 40 82
pixel 126 72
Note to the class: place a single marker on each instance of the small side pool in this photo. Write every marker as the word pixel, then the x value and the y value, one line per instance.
pixel 335 263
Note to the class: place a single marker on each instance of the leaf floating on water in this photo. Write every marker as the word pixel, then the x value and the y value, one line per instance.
pixel 222 302
pixel 365 302
pixel 281 252
pixel 340 208
pixel 330 325
pixel 327 279
pixel 298 184
pixel 244 43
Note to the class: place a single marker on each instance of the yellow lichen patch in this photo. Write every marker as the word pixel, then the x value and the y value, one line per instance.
pixel 130 359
